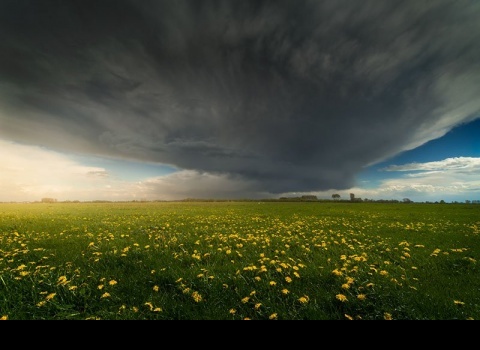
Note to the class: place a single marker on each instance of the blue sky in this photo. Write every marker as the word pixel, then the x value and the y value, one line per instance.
pixel 248 99
pixel 461 141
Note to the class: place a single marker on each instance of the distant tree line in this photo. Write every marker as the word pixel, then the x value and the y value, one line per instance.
pixel 305 198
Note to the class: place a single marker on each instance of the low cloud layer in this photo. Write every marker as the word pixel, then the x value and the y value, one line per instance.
pixel 279 96
pixel 451 179
pixel 458 164
pixel 29 173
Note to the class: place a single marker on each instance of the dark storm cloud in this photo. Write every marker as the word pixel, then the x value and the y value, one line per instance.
pixel 294 95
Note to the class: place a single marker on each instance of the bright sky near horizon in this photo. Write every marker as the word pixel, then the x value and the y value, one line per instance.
pixel 174 99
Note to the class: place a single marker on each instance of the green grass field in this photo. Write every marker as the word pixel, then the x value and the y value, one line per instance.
pixel 239 261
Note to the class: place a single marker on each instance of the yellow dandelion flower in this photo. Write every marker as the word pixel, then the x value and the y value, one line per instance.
pixel 135 309
pixel 337 272
pixel 288 279
pixel 94 318
pixel 348 317
pixel 247 319
pixel 361 296
pixel 4 318
pixel 197 297
pixel 157 309
pixel 383 273
pixel 258 278
pixel 341 297
pixel 273 316
pixel 72 288
pixel 296 274
pixel 303 299
pixel 105 295
pixel 50 296
pixel 273 283
pixel 458 302
pixel 257 306
pixel 112 282
pixel 245 300
pixel 285 291
pixel 156 288
pixel 42 303
pixel 232 311
pixel 149 304
pixel 253 292
pixel 345 286
pixel 100 286
pixel 387 316
pixel 62 280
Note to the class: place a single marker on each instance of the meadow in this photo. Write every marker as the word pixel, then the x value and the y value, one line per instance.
pixel 239 261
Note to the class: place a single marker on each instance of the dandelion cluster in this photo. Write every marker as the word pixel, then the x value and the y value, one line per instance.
pixel 221 260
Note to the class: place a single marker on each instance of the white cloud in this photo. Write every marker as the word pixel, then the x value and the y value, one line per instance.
pixel 470 164
pixel 452 178
pixel 29 173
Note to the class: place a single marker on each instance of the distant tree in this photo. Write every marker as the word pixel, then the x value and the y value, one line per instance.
pixel 335 196
pixel 407 200
pixel 49 200
pixel 352 196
